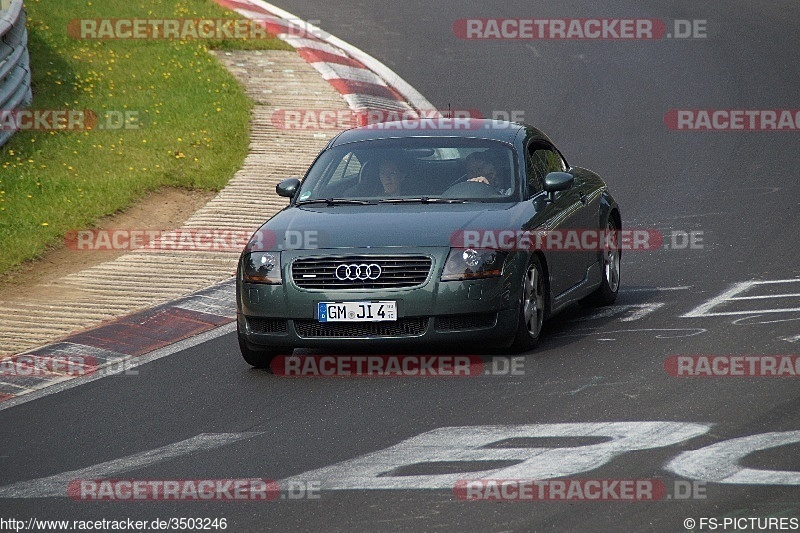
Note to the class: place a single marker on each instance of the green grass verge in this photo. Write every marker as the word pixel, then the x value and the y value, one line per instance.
pixel 191 114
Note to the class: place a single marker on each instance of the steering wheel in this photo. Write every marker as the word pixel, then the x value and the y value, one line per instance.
pixel 462 177
pixel 470 189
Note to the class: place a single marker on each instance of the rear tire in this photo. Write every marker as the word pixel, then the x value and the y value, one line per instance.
pixel 607 292
pixel 532 307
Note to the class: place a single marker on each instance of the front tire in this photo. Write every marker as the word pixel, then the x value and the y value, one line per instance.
pixel 255 358
pixel 532 307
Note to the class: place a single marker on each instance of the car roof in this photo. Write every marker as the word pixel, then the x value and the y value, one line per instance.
pixel 435 127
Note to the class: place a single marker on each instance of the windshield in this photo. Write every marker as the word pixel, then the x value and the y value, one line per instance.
pixel 413 169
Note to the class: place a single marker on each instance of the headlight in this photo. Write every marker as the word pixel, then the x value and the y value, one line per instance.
pixel 262 267
pixel 472 263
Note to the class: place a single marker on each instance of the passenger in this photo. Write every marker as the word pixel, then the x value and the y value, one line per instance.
pixel 392 176
pixel 380 177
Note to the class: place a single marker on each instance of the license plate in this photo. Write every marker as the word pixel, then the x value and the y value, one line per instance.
pixel 356 311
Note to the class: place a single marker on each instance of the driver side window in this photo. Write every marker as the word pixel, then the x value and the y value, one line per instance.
pixel 541 160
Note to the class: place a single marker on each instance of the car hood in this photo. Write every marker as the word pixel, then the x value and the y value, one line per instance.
pixel 362 226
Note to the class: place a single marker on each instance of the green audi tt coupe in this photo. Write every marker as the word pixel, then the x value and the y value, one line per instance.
pixel 428 232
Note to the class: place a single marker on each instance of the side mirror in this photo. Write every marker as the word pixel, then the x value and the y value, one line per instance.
pixel 557 181
pixel 287 187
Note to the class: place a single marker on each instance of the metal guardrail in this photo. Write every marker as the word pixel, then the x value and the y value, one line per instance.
pixel 15 70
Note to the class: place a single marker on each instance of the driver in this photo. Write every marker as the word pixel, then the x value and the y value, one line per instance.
pixel 482 169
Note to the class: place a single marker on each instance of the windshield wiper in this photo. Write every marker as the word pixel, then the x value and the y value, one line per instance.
pixel 334 201
pixel 422 200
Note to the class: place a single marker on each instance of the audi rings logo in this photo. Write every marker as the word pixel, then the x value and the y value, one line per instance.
pixel 355 272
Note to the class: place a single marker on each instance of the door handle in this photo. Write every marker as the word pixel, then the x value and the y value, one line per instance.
pixel 584 198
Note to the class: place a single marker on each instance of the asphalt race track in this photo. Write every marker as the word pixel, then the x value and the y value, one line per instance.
pixel 598 378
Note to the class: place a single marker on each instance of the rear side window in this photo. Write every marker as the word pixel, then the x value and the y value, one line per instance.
pixel 348 167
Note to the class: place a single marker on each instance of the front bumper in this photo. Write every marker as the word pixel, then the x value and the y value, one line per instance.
pixel 283 317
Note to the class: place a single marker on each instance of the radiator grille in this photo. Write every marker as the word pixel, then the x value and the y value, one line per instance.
pixel 404 327
pixel 385 272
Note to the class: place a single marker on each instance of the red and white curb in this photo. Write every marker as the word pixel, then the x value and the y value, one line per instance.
pixel 365 83
pixel 117 346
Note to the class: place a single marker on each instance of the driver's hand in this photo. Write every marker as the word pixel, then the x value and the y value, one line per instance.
pixel 480 179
